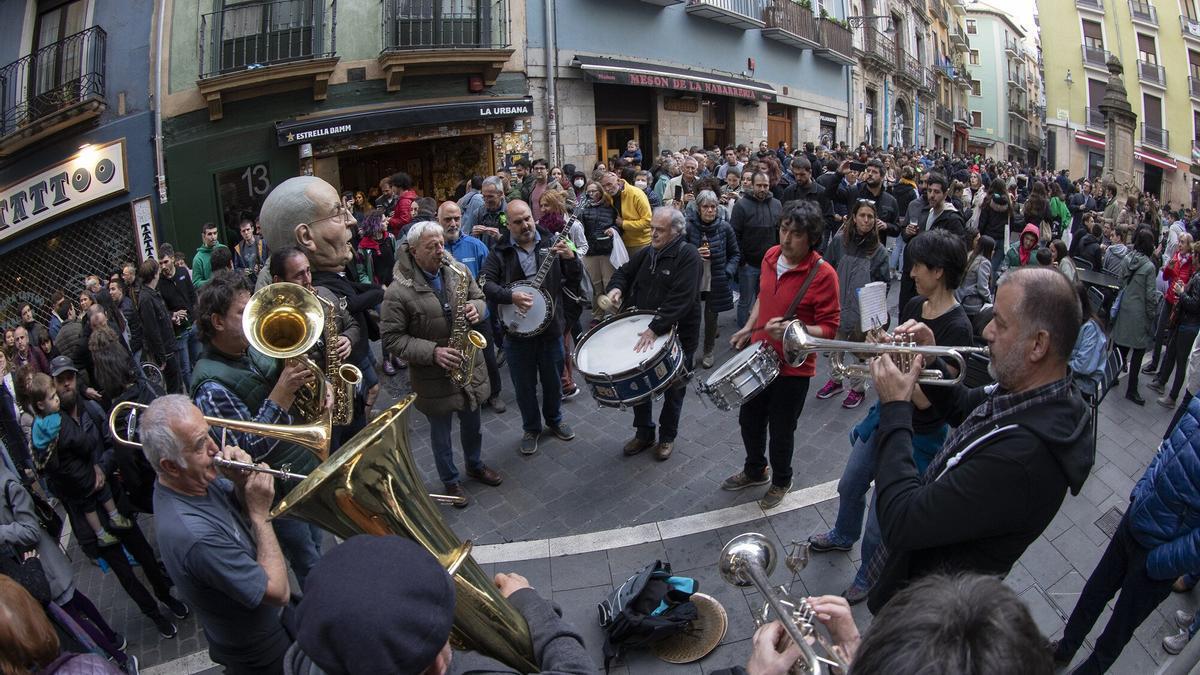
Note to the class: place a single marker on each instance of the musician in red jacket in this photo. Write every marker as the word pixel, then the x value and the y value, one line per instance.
pixel 793 275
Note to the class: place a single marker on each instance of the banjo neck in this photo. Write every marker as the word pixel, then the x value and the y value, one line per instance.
pixel 544 269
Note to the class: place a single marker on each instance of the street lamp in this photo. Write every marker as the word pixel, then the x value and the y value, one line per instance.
pixel 1070 83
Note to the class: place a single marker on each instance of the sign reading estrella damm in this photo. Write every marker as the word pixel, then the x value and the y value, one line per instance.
pixel 95 173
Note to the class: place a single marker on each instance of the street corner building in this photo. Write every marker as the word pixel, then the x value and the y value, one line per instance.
pixel 77 165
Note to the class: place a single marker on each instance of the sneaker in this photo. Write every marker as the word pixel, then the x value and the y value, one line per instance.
pixel 388 368
pixel 124 643
pixel 1157 386
pixel 131 665
pixel 120 522
pixel 855 594
pixel 529 443
pixel 165 628
pixel 400 363
pixel 707 361
pixel 662 451
pixel 740 481
pixel 178 607
pixel 1173 644
pixel 457 490
pixel 1165 401
pixel 775 494
pixel 105 538
pixel 1183 619
pixel 831 389
pixel 1181 585
pixel 496 404
pixel 1150 369
pixel 561 431
pixel 570 393
pixel 824 543
pixel 636 445
pixel 853 399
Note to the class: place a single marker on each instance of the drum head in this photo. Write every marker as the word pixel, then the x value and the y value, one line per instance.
pixel 610 348
pixel 736 361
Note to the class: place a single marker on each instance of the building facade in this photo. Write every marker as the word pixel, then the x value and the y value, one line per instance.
pixel 894 82
pixel 951 123
pixel 671 75
pixel 999 101
pixel 1158 45
pixel 76 146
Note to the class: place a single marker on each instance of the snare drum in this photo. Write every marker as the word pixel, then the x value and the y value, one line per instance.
pixel 619 376
pixel 742 377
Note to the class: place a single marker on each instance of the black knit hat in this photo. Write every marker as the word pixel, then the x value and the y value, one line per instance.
pixel 375 605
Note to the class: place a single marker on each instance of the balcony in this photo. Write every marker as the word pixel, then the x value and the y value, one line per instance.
pixel 837 43
pixel 1095 118
pixel 791 24
pixel 1095 57
pixel 961 116
pixel 1194 87
pixel 662 3
pixel 943 116
pixel 436 38
pixel 1190 29
pixel 743 14
pixel 1012 47
pixel 1152 74
pixel 1015 78
pixel 878 49
pixel 1090 6
pixel 1017 139
pixel 56 87
pixel 1143 12
pixel 1018 109
pixel 958 39
pixel 1155 137
pixel 246 47
pixel 908 69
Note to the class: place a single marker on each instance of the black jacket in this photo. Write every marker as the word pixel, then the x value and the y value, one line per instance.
pixel 994 221
pixel 887 207
pixel 596 218
pixel 1187 307
pixel 502 268
pixel 904 194
pixel 361 301
pixel 983 512
pixel 949 220
pixel 158 332
pixel 129 310
pixel 1087 247
pixel 81 445
pixel 813 192
pixel 756 224
pixel 666 281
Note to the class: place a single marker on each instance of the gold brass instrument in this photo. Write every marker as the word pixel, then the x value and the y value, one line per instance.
pixel 285 432
pixel 748 560
pixel 371 486
pixel 284 321
pixel 798 343
pixel 468 342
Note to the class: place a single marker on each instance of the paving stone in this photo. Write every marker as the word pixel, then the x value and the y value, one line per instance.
pixel 1078 549
pixel 693 551
pixel 727 655
pixel 1065 593
pixel 1044 614
pixel 1045 563
pixel 579 609
pixel 579 571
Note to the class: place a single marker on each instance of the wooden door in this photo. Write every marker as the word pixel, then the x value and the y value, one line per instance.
pixel 611 140
pixel 779 125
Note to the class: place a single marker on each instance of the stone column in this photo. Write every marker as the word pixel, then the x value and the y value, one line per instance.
pixel 1120 124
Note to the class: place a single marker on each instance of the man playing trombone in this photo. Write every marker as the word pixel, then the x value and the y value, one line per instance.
pixel 1016 449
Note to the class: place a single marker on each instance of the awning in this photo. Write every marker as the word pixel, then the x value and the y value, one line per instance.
pixel 1164 163
pixel 616 71
pixel 1090 140
pixel 294 132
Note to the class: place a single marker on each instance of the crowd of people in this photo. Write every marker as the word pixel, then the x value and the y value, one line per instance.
pixel 533 259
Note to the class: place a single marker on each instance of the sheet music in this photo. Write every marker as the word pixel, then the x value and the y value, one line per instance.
pixel 872 306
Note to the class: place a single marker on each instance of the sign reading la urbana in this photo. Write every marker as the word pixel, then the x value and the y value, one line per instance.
pixel 95 173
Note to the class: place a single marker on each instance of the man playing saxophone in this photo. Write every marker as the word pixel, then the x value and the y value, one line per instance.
pixel 291 265
pixel 421 309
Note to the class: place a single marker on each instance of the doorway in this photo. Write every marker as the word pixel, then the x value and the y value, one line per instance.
pixel 611 140
pixel 1095 169
pixel 716 122
pixel 779 125
pixel 436 165
pixel 1152 181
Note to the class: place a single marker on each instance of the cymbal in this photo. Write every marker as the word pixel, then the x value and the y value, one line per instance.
pixel 703 636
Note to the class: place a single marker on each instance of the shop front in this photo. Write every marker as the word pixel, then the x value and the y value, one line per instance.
pixel 437 143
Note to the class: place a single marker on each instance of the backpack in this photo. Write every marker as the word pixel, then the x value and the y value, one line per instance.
pixel 650 606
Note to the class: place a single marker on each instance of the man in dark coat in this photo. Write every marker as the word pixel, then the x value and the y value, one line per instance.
pixel 1004 471
pixel 938 214
pixel 806 189
pixel 158 333
pixel 664 277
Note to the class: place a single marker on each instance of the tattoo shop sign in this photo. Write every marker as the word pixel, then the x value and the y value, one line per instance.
pixel 93 174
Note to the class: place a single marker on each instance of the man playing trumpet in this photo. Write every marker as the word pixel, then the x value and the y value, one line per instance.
pixel 420 310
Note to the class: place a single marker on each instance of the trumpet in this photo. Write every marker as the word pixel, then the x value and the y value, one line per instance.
pixel 288 475
pixel 748 560
pixel 798 343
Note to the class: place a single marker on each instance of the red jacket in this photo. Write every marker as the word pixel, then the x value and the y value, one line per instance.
pixel 402 215
pixel 820 306
pixel 1180 269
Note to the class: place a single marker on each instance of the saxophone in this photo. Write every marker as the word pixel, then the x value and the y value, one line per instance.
pixel 344 378
pixel 468 342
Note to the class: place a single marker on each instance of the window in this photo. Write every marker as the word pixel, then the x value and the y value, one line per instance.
pixel 976 88
pixel 1194 63
pixel 976 119
pixel 1093 35
pixel 1189 9
pixel 1196 128
pixel 1152 110
pixel 55 22
pixel 1146 50
pixel 974 57
pixel 970 26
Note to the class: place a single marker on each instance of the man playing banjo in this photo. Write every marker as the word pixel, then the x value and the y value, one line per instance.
pixel 795 284
pixel 538 355
pixel 664 278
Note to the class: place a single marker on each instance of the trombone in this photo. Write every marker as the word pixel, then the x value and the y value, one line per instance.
pixel 301 435
pixel 798 343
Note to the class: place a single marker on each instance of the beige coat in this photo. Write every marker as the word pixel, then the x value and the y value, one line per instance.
pixel 413 324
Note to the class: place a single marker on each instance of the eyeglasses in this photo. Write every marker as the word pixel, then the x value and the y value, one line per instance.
pixel 340 211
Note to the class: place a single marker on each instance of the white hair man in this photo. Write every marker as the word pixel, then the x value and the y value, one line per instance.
pixel 215 539
pixel 420 310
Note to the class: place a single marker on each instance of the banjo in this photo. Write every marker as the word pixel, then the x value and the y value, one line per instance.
pixel 534 320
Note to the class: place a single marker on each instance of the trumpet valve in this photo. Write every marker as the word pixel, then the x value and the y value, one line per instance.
pixel 798 555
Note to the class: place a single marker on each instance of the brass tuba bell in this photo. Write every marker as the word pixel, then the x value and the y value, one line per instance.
pixel 371 486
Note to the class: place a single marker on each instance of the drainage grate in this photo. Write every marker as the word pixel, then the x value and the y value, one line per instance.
pixel 1109 521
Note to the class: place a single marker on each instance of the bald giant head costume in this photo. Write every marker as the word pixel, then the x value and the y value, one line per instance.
pixel 306 212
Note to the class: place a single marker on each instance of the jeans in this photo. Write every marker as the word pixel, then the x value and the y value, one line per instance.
pixel 896 258
pixel 301 545
pixel 774 411
pixel 469 435
pixel 1121 568
pixel 134 541
pixel 80 608
pixel 852 492
pixel 668 419
pixel 531 360
pixel 872 535
pixel 748 289
pixel 1178 348
pixel 183 349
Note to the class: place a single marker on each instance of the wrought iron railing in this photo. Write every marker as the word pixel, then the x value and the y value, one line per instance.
pixel 259 34
pixel 54 78
pixel 1095 56
pixel 1189 27
pixel 793 18
pixel 445 24
pixel 1152 72
pixel 1155 136
pixel 1194 86
pixel 751 9
pixel 878 46
pixel 1142 10
pixel 943 115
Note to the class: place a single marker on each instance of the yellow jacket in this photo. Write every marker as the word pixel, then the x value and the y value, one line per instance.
pixel 635 216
